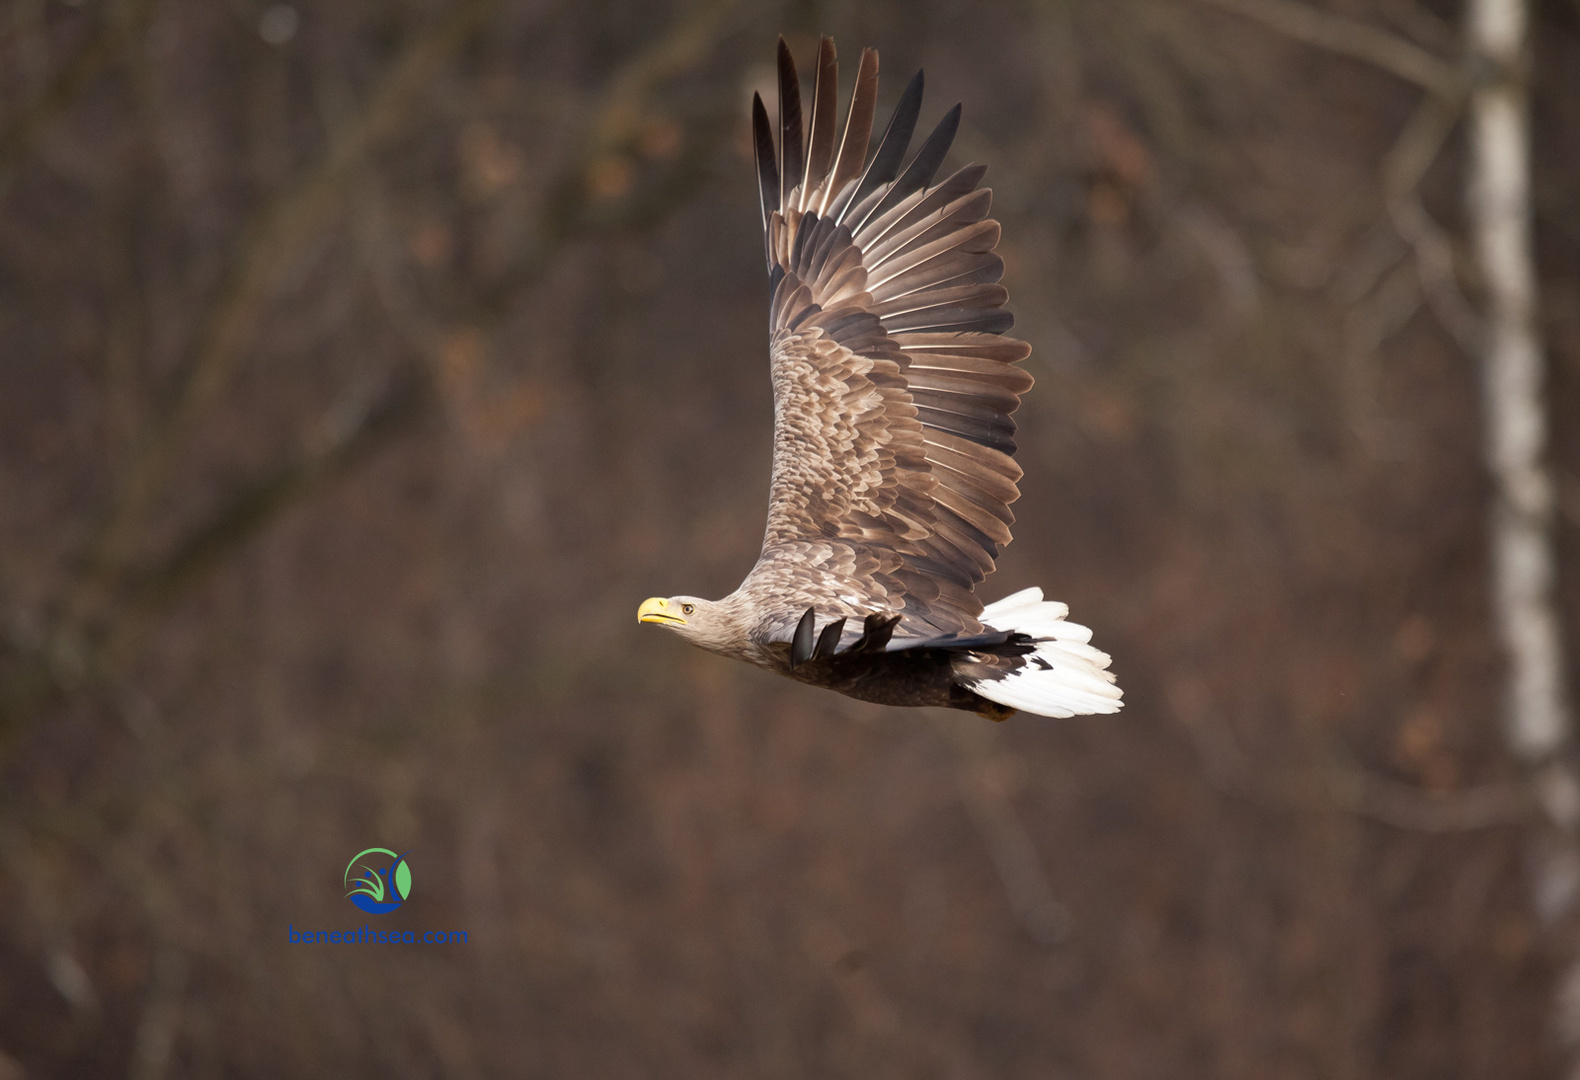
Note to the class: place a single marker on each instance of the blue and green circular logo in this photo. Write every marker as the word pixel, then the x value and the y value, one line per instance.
pixel 382 887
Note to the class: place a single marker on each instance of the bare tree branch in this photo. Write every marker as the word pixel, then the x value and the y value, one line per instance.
pixel 1340 783
pixel 617 123
pixel 124 23
pixel 1391 53
pixel 1419 144
pixel 33 676
pixel 1403 806
pixel 1434 262
pixel 254 505
pixel 1406 164
pixel 275 237
pixel 980 772
pixel 34 673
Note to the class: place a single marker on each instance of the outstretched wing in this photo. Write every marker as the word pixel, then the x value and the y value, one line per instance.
pixel 893 382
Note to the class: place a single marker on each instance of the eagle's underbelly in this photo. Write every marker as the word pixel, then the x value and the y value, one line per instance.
pixel 921 678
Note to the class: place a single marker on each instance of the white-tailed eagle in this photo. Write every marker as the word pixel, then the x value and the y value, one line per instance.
pixel 892 469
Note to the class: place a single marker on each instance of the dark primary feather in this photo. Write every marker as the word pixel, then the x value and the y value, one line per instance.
pixel 790 145
pixel 767 167
pixel 876 630
pixel 858 128
pixel 821 139
pixel 801 643
pixel 885 164
pixel 828 640
pixel 923 167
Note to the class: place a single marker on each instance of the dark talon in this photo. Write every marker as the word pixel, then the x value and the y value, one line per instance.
pixel 828 640
pixel 801 644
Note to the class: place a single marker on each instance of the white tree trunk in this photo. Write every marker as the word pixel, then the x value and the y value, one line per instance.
pixel 1523 563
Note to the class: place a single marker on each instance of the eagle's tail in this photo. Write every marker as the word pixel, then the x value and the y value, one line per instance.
pixel 1065 676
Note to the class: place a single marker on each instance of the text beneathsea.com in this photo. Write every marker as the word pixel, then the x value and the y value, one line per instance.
pixel 366 935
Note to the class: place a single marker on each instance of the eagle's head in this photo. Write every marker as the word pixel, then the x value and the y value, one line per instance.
pixel 676 611
pixel 702 622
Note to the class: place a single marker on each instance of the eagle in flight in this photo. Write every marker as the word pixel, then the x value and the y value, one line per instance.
pixel 892 469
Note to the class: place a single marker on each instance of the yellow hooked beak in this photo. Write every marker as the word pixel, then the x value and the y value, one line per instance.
pixel 657 610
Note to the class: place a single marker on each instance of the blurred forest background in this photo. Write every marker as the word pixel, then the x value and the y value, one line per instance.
pixel 363 364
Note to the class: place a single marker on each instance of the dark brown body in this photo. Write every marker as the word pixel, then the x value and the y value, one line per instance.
pixel 913 678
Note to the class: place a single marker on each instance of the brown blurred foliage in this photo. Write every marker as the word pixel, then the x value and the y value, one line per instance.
pixel 364 364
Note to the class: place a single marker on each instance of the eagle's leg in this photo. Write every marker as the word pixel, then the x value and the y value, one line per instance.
pixel 962 698
pixel 992 710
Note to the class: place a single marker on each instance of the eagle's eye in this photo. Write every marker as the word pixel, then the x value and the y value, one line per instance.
pixel 688 608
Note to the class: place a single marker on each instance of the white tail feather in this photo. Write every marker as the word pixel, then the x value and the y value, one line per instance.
pixel 1075 680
